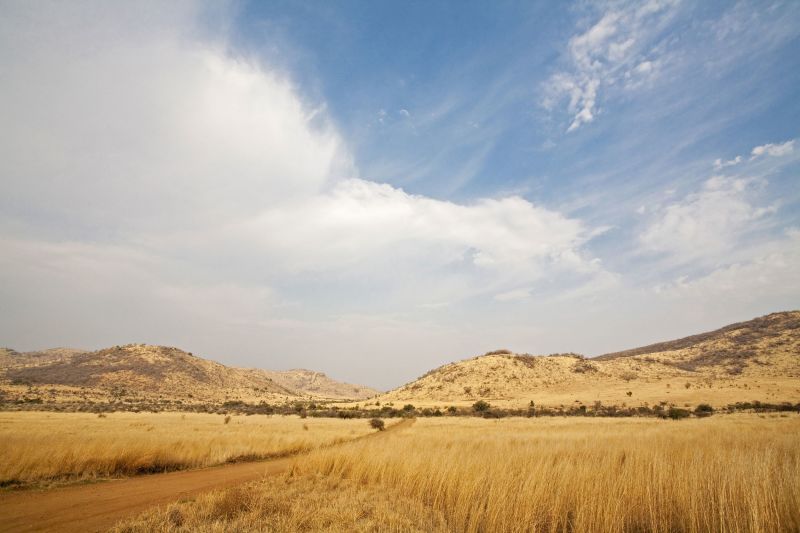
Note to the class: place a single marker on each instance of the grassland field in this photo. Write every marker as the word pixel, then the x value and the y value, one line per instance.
pixel 43 448
pixel 727 473
pixel 733 472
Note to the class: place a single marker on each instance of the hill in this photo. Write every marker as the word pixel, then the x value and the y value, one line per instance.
pixel 143 371
pixel 317 384
pixel 754 360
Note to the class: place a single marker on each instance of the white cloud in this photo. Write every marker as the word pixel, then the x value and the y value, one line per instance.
pixel 362 230
pixel 773 150
pixel 707 222
pixel 770 150
pixel 720 164
pixel 619 47
pixel 769 271
pixel 140 127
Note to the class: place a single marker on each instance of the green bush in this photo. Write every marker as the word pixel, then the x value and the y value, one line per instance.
pixel 377 423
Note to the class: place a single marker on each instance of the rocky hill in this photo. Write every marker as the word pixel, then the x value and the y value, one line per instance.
pixel 754 360
pixel 157 372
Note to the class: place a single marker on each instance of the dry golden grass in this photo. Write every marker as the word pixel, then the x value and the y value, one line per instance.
pixel 288 504
pixel 44 447
pixel 738 473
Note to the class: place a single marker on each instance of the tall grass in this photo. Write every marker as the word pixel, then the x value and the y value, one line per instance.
pixel 41 447
pixel 290 504
pixel 738 473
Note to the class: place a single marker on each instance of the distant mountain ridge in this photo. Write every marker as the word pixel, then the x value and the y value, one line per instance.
pixel 319 385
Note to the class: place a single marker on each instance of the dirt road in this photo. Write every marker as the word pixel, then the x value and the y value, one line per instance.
pixel 99 506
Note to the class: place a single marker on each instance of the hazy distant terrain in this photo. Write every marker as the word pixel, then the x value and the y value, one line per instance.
pixel 317 384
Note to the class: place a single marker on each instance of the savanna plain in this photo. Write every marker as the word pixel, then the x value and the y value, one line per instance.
pixel 731 472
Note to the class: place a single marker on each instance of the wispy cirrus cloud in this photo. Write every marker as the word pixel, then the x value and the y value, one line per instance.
pixel 621 48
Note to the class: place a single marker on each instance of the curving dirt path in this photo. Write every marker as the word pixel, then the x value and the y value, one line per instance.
pixel 99 506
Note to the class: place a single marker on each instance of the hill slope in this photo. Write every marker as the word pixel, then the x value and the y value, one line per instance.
pixel 139 369
pixel 755 360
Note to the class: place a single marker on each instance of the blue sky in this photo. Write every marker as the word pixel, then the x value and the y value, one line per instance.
pixel 373 188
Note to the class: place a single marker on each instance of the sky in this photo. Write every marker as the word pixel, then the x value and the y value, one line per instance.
pixel 373 189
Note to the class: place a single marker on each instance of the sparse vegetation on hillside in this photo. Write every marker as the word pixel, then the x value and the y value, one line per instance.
pixel 761 357
pixel 502 351
pixel 162 373
pixel 742 337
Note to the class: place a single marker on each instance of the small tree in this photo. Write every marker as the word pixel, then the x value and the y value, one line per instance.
pixel 408 407
pixel 377 423
pixel 480 406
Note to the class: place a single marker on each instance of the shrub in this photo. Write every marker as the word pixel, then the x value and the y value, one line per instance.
pixel 703 410
pixel 499 352
pixel 676 414
pixel 480 406
pixel 377 423
pixel 582 367
pixel 408 407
